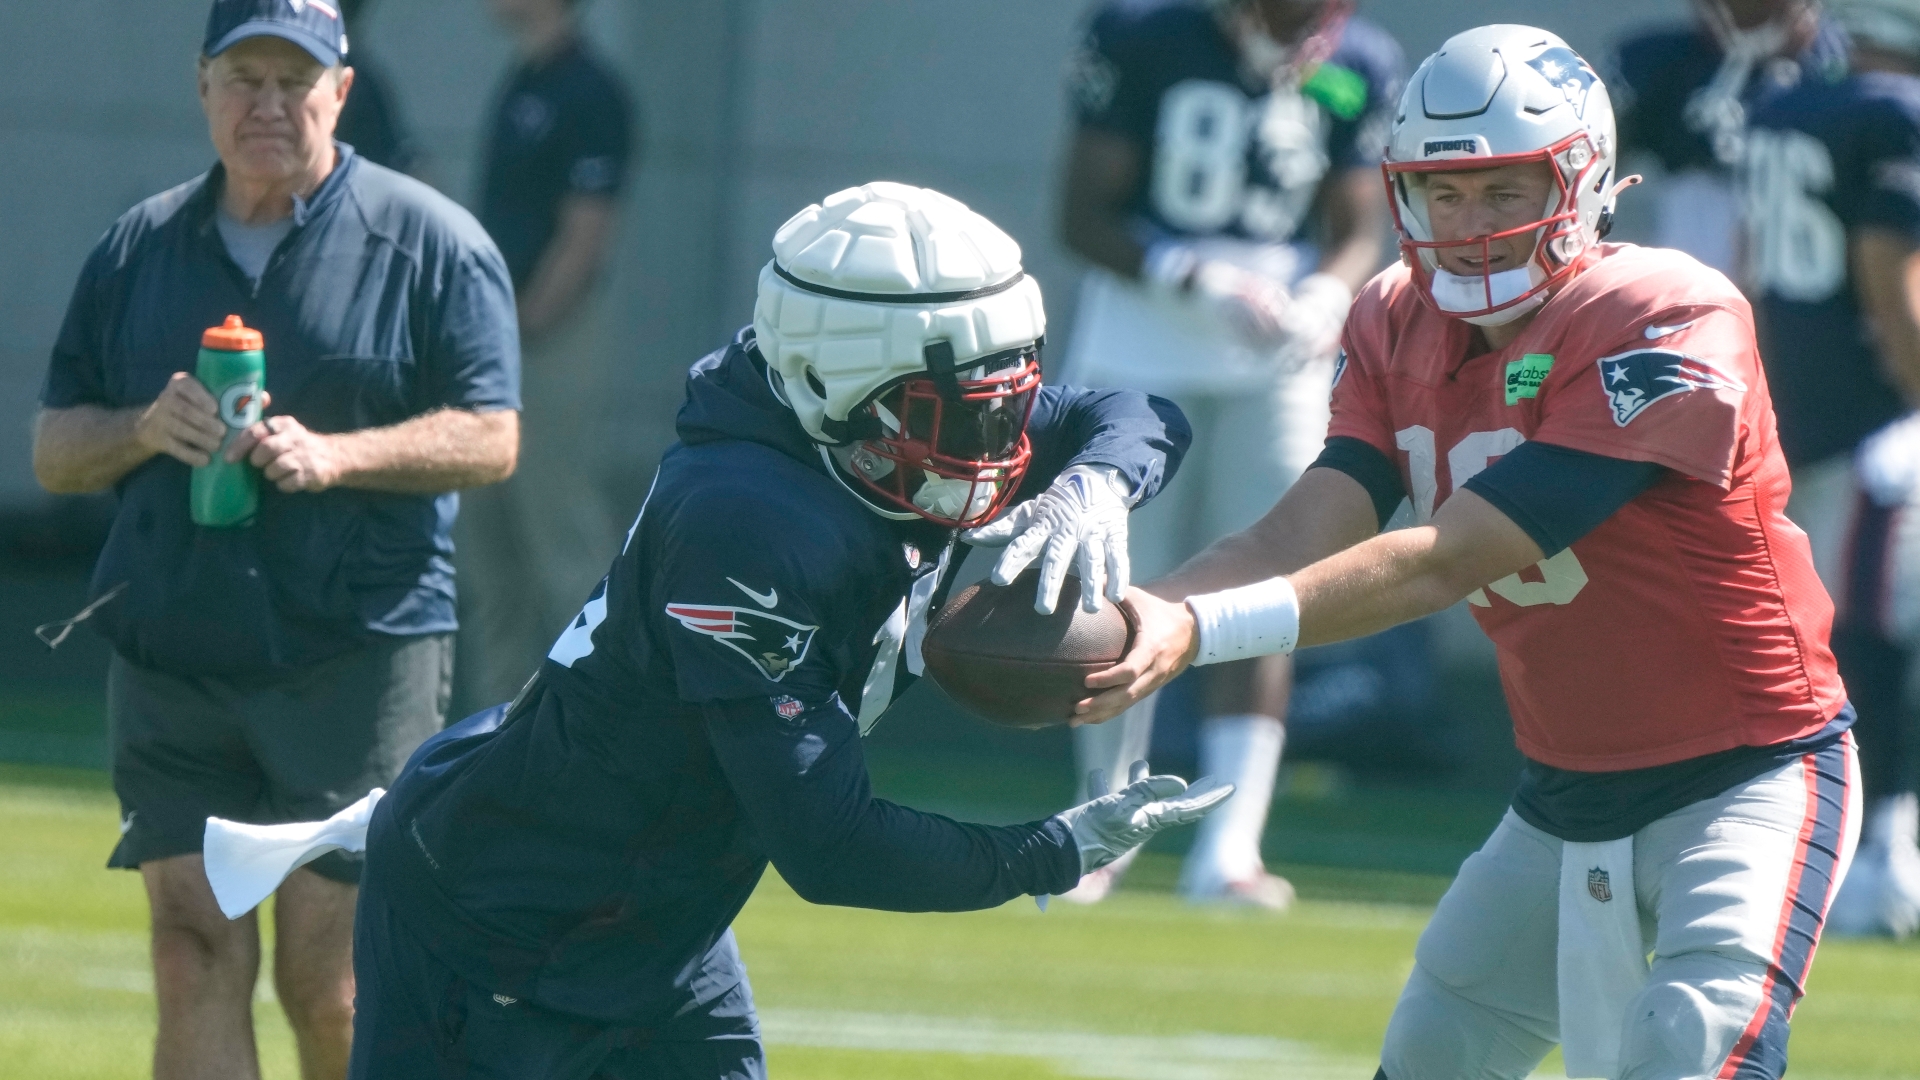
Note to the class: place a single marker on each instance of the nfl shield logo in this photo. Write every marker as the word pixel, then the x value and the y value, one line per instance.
pixel 1598 885
pixel 789 708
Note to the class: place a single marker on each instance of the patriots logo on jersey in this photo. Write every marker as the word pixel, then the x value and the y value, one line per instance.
pixel 775 645
pixel 1635 380
pixel 1569 74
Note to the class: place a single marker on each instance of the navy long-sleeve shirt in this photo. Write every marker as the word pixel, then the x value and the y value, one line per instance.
pixel 702 717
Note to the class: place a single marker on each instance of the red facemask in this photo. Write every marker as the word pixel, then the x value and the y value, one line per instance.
pixel 949 447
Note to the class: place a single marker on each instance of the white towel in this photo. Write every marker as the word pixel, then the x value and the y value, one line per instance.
pixel 245 863
pixel 1602 959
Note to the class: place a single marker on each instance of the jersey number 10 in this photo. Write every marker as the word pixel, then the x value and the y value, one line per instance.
pixel 1561 576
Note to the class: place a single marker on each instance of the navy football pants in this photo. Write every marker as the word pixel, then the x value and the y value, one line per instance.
pixel 414 1019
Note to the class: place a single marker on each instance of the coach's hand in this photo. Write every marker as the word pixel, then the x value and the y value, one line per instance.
pixel 288 455
pixel 1080 520
pixel 183 422
pixel 1108 826
pixel 1165 641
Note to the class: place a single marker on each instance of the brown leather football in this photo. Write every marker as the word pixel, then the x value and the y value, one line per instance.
pixel 1009 664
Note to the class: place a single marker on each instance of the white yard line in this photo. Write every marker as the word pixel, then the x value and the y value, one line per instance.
pixel 1074 1053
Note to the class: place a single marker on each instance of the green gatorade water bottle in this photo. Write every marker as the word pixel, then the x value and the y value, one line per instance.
pixel 233 368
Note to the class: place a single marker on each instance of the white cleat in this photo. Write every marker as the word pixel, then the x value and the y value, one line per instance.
pixel 1267 892
pixel 1881 894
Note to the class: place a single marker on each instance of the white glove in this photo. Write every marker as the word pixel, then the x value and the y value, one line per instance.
pixel 1081 518
pixel 1313 321
pixel 1254 305
pixel 1298 325
pixel 1108 826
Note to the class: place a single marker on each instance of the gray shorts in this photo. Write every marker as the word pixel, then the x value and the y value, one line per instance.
pixel 297 746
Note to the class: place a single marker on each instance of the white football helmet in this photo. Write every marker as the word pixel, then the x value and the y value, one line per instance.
pixel 1493 96
pixel 899 326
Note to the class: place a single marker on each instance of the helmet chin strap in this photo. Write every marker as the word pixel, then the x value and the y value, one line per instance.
pixel 1452 292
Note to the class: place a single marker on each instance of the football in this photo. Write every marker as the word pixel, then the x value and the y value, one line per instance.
pixel 1007 663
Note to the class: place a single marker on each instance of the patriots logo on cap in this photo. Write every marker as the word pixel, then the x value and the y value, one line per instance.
pixel 774 644
pixel 1569 74
pixel 1635 380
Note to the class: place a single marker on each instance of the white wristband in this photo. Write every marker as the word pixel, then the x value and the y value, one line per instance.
pixel 1253 620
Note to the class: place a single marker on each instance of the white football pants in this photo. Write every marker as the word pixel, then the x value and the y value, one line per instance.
pixel 1732 892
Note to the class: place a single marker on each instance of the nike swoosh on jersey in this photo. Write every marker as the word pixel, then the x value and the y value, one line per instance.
pixel 767 600
pixel 1655 333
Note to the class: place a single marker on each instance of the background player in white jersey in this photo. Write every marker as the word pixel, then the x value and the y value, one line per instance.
pixel 1222 183
pixel 1833 256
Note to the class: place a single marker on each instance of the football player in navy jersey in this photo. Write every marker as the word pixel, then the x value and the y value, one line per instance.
pixel 1684 93
pixel 1832 190
pixel 550 884
pixel 1222 183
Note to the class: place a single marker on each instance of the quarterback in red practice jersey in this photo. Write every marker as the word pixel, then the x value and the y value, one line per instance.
pixel 1586 437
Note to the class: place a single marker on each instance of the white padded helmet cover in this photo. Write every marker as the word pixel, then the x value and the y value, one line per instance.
pixel 897 241
pixel 1499 90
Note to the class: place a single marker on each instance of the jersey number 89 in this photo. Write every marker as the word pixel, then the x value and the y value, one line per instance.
pixel 1201 181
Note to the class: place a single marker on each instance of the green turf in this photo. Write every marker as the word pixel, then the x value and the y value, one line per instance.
pixel 1141 986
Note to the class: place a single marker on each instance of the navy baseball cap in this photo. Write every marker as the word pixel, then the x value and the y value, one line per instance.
pixel 314 25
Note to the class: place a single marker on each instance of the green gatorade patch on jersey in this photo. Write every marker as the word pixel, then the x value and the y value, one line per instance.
pixel 1342 91
pixel 1525 375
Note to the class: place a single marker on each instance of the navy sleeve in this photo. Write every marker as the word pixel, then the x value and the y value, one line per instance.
pixel 1109 81
pixel 1557 495
pixel 473 352
pixel 1142 436
pixel 76 375
pixel 803 783
pixel 598 148
pixel 745 613
pixel 1365 463
pixel 1890 198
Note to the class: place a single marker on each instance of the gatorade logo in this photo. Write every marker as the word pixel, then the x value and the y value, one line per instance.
pixel 240 406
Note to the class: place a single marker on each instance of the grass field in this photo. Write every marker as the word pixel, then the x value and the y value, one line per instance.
pixel 1139 988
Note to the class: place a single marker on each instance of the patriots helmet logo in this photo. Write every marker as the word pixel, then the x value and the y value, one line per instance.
pixel 1634 380
pixel 775 645
pixel 1568 73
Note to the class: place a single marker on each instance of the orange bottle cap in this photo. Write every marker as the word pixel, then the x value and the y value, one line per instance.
pixel 233 336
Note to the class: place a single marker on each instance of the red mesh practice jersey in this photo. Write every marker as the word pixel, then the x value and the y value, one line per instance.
pixel 1690 621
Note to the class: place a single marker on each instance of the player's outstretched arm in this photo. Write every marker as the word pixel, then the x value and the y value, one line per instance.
pixel 1324 512
pixel 803 784
pixel 1393 578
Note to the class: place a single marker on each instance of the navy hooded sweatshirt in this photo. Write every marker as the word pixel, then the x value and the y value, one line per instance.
pixel 698 719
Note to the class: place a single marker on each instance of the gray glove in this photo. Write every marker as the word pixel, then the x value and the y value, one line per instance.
pixel 1108 826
